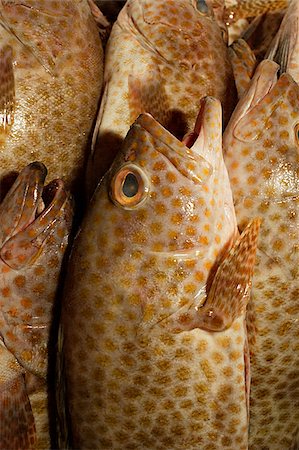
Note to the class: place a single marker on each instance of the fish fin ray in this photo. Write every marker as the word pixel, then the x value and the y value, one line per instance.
pixel 7 90
pixel 229 293
pixel 17 426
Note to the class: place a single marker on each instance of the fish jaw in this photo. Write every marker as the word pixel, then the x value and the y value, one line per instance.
pixel 260 121
pixel 31 254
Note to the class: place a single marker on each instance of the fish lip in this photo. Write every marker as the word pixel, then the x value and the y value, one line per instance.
pixel 24 247
pixel 263 81
pixel 30 187
pixel 23 198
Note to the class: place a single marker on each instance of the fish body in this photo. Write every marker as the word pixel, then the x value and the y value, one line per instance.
pixel 261 152
pixel 164 363
pixel 51 71
pixel 35 225
pixel 162 58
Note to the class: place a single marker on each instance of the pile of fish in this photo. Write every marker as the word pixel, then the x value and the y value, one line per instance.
pixel 149 293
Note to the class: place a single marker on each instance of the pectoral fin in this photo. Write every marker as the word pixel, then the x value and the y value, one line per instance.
pixel 7 91
pixel 230 289
pixel 17 427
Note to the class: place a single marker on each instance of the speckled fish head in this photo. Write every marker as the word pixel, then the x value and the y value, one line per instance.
pixel 173 29
pixel 164 211
pixel 35 224
pixel 265 128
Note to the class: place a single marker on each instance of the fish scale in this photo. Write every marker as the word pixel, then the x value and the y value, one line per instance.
pixel 154 357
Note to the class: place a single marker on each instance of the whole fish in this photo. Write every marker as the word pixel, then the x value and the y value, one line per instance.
pixel 51 72
pixel 34 227
pixel 153 327
pixel 162 58
pixel 261 152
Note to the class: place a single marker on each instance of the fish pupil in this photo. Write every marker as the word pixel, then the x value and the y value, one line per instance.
pixel 130 185
pixel 202 6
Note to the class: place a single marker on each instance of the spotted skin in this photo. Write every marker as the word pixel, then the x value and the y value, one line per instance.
pixel 261 145
pixel 137 271
pixel 184 49
pixel 52 61
pixel 31 251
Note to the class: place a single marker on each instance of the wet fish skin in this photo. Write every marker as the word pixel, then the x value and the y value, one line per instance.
pixel 159 55
pixel 51 71
pixel 164 364
pixel 33 239
pixel 261 145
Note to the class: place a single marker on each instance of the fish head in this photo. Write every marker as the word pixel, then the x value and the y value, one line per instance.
pixel 164 211
pixel 172 30
pixel 35 225
pixel 264 129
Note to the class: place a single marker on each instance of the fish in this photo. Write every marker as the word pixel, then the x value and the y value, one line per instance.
pixel 51 73
pixel 285 45
pixel 161 58
pixel 152 326
pixel 261 145
pixel 34 232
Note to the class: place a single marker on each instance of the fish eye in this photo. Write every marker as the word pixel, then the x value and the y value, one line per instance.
pixel 203 7
pixel 129 187
pixel 297 133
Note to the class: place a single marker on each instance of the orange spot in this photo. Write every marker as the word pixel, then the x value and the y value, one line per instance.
pixel 26 302
pixel 203 240
pixel 5 291
pixel 208 265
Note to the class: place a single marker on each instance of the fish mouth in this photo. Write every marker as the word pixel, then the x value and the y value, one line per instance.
pixel 28 214
pixel 187 161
